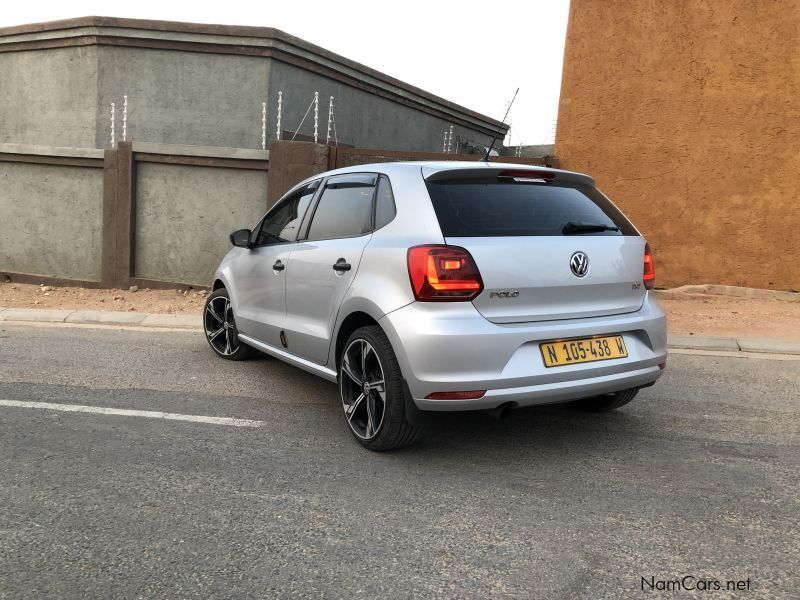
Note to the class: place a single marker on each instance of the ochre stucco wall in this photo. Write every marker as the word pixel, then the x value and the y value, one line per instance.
pixel 687 113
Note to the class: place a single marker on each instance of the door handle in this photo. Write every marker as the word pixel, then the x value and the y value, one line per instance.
pixel 278 266
pixel 341 266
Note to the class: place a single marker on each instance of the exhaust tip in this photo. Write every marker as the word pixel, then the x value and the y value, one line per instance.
pixel 503 411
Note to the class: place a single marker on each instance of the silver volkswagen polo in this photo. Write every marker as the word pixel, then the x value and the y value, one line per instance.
pixel 445 286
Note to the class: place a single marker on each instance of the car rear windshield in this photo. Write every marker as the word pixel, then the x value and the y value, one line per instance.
pixel 492 208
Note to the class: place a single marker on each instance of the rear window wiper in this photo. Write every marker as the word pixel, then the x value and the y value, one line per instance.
pixel 572 228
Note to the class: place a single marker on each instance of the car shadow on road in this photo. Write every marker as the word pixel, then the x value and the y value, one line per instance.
pixel 540 429
pixel 525 431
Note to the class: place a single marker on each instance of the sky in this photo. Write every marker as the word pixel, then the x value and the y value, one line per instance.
pixel 472 53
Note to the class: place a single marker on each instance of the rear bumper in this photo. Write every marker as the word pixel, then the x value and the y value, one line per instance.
pixel 452 347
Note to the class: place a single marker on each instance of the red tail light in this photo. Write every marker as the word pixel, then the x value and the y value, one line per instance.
pixel 443 273
pixel 649 273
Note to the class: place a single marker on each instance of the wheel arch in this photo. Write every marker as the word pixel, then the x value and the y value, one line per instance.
pixel 354 320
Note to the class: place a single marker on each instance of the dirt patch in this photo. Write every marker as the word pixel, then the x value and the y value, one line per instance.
pixel 733 317
pixel 695 314
pixel 19 295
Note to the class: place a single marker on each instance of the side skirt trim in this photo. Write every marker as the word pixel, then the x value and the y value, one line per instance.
pixel 296 361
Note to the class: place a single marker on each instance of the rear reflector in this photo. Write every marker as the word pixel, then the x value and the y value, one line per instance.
pixel 474 395
pixel 443 273
pixel 649 273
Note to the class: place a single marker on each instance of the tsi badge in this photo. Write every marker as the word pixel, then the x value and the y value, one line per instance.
pixel 504 294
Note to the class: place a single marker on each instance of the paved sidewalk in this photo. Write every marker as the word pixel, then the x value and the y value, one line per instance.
pixel 115 318
pixel 100 317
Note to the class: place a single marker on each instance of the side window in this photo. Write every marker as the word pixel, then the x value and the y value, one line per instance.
pixel 345 208
pixel 385 209
pixel 282 224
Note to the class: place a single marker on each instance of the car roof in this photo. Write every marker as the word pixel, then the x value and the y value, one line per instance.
pixel 427 168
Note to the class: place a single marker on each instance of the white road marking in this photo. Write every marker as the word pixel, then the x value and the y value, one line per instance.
pixel 123 412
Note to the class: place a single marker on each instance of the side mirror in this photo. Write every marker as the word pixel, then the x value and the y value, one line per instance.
pixel 241 238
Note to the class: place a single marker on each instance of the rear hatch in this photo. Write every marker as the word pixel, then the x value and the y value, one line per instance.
pixel 548 244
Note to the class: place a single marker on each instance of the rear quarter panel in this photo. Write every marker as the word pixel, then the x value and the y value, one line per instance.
pixel 381 284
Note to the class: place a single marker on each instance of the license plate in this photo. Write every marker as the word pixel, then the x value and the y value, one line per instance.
pixel 573 352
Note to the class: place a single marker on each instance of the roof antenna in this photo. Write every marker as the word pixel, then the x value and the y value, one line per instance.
pixel 494 139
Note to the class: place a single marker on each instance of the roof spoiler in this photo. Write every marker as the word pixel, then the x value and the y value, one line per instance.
pixel 430 173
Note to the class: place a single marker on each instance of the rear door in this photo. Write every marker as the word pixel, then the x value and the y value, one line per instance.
pixel 548 246
pixel 324 262
pixel 259 273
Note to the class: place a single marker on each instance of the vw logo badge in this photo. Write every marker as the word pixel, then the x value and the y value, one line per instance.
pixel 579 264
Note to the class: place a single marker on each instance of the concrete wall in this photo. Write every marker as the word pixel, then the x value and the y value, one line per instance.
pixel 48 97
pixel 51 220
pixel 184 215
pixel 687 115
pixel 178 97
pixel 362 119
pixel 150 215
pixel 196 84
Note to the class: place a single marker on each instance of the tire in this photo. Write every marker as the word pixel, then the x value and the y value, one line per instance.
pixel 607 402
pixel 378 420
pixel 220 330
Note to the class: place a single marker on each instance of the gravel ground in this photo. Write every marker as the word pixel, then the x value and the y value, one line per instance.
pixel 733 317
pixel 183 301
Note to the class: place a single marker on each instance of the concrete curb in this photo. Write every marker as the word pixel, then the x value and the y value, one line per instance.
pixel 732 291
pixel 729 344
pixel 100 317
pixel 194 322
pixel 693 342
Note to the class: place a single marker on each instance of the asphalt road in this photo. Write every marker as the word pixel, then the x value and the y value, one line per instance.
pixel 698 477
